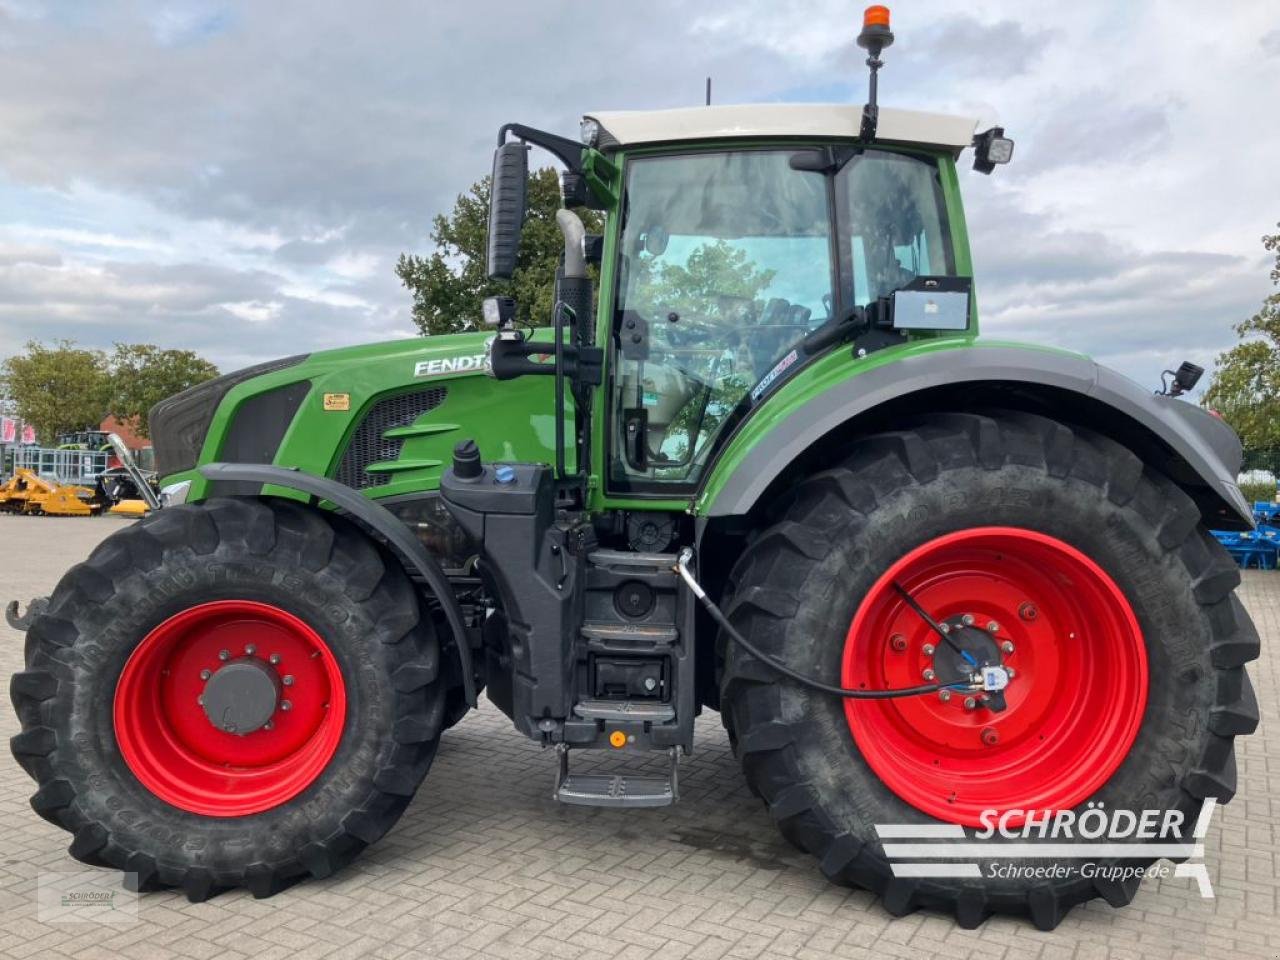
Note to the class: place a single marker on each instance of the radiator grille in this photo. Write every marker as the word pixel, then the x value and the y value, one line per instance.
pixel 368 446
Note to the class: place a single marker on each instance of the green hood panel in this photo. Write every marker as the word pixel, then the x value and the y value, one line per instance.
pixel 510 420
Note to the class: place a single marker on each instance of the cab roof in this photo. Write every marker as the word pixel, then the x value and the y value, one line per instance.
pixel 627 128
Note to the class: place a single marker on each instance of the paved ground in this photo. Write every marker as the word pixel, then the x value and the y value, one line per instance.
pixel 485 864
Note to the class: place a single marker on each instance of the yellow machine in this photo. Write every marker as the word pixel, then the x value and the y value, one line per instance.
pixel 130 508
pixel 28 492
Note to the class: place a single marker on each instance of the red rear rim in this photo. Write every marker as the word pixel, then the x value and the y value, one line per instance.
pixel 1073 705
pixel 178 753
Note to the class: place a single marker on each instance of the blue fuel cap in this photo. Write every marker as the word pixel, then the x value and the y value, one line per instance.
pixel 504 473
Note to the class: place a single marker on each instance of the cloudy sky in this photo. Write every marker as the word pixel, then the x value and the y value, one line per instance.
pixel 239 178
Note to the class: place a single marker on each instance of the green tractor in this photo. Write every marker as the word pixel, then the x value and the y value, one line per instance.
pixel 764 464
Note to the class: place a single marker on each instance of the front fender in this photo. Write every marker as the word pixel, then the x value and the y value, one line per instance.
pixel 1196 449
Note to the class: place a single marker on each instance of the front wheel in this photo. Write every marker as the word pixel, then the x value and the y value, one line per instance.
pixel 236 693
pixel 1048 550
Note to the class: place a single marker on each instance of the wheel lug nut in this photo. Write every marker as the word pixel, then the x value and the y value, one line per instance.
pixel 268 725
pixel 970 703
pixel 944 695
pixel 1006 647
pixel 1028 611
pixel 898 642
pixel 945 627
pixel 993 627
pixel 224 654
pixel 287 680
pixel 928 673
pixel 286 705
pixel 250 649
pixel 200 700
pixel 274 658
pixel 989 736
pixel 967 619
pixel 1011 672
pixel 206 674
pixel 928 649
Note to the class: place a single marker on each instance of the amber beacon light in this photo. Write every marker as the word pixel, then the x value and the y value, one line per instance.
pixel 875 36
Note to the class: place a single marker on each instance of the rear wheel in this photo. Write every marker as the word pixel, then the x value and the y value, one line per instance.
pixel 237 693
pixel 1050 549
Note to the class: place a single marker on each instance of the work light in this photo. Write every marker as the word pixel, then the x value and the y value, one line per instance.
pixel 498 311
pixel 990 148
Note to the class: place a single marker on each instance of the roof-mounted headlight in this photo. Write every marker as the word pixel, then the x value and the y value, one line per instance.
pixel 990 148
pixel 590 132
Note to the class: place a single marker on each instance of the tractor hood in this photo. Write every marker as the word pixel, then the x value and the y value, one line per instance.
pixel 244 416
pixel 382 419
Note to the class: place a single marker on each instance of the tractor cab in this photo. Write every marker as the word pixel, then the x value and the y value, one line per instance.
pixel 741 243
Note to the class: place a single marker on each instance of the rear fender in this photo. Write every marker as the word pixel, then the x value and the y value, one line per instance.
pixel 1194 448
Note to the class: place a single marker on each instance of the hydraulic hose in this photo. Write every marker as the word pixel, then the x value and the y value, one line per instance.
pixel 682 568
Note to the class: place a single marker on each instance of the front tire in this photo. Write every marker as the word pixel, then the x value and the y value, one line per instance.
pixel 122 689
pixel 1142 712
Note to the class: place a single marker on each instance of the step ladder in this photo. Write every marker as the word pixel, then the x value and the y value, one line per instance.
pixel 615 790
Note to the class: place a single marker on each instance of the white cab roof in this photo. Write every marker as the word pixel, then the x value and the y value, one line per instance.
pixel 625 128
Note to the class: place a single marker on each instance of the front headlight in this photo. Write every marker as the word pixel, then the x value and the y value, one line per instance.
pixel 175 493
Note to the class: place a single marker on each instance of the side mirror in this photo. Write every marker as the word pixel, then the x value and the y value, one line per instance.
pixel 507 207
pixel 933 303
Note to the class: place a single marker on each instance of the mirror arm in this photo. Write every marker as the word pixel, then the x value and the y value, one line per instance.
pixel 568 152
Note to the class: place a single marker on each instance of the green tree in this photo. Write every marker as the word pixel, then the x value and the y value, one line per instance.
pixel 142 375
pixel 58 389
pixel 449 285
pixel 1246 379
pixel 715 282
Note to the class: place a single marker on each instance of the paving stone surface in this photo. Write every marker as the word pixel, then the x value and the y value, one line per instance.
pixel 486 864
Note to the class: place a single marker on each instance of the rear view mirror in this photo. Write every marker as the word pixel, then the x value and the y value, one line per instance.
pixel 933 303
pixel 507 207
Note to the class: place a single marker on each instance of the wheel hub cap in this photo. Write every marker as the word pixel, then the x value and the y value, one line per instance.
pixel 242 696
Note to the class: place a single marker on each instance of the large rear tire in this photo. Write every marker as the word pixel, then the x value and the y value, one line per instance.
pixel 1129 683
pixel 210 612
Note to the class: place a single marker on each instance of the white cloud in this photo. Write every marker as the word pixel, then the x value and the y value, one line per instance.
pixel 254 311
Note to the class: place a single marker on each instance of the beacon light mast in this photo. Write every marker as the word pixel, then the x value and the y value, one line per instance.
pixel 991 147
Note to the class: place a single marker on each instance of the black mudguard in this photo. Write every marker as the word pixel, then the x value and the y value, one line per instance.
pixel 1195 448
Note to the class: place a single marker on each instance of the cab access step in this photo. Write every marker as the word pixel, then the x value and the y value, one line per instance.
pixel 616 790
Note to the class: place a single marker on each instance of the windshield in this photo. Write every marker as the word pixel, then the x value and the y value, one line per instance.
pixel 727 261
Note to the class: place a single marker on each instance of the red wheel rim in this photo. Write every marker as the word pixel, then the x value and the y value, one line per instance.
pixel 174 749
pixel 1074 703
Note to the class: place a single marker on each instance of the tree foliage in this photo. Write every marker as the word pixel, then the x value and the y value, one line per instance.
pixel 59 388
pixel 449 285
pixel 714 283
pixel 142 375
pixel 1246 378
pixel 63 388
